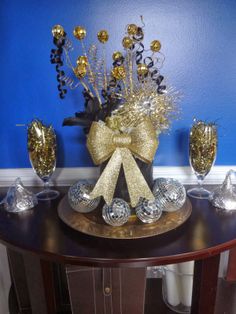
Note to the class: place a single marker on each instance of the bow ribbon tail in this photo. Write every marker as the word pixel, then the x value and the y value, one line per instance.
pixel 137 185
pixel 106 183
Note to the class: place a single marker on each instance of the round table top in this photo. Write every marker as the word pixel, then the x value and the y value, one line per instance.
pixel 207 232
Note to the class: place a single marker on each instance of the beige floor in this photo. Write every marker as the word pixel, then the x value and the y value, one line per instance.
pixel 5 281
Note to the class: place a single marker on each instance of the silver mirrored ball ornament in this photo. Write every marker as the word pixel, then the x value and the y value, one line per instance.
pixel 79 199
pixel 117 213
pixel 148 211
pixel 169 193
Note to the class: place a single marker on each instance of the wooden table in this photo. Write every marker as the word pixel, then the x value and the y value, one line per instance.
pixel 202 238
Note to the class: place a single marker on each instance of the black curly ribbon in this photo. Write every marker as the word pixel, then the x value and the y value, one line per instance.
pixel 156 77
pixel 139 35
pixel 56 58
pixel 149 62
pixel 118 62
pixel 139 53
pixel 112 84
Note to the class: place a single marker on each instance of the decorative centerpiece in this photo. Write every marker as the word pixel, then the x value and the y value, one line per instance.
pixel 127 106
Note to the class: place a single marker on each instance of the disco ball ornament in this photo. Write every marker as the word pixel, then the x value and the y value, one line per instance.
pixel 148 211
pixel 169 193
pixel 117 213
pixel 79 199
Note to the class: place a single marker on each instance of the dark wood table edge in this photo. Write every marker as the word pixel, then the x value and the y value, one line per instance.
pixel 126 262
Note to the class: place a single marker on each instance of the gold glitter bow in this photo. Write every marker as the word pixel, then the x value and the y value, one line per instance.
pixel 103 142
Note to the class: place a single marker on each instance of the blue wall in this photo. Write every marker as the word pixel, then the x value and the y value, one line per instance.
pixel 198 40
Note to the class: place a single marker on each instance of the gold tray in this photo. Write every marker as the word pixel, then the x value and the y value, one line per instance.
pixel 93 224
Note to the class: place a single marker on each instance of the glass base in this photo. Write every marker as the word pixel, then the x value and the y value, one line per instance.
pixel 47 195
pixel 199 192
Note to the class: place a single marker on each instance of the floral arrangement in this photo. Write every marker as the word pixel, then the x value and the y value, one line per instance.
pixel 125 94
pixel 127 105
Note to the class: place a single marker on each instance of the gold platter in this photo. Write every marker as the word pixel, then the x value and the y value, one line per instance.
pixel 93 224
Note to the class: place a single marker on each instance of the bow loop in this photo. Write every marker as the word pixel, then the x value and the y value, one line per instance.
pixel 144 142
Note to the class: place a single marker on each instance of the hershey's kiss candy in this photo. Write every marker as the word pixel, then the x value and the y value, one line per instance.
pixel 103 36
pixel 132 29
pixel 169 193
pixel 117 213
pixel 155 46
pixel 79 199
pixel 79 32
pixel 224 196
pixel 119 72
pixel 127 42
pixel 148 211
pixel 18 198
pixel 58 31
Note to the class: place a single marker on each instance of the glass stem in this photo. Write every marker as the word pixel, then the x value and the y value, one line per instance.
pixel 200 182
pixel 46 185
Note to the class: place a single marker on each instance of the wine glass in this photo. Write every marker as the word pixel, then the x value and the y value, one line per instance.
pixel 42 153
pixel 202 154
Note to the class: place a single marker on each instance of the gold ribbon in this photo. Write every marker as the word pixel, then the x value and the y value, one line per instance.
pixel 104 143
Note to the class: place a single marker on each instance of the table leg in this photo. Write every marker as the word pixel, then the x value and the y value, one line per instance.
pixel 18 274
pixel 205 285
pixel 48 282
pixel 40 285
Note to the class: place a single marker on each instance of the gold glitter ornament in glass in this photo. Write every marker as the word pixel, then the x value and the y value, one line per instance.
pixel 79 32
pixel 132 29
pixel 117 55
pixel 42 152
pixel 80 71
pixel 202 154
pixel 103 36
pixel 58 31
pixel 127 42
pixel 82 60
pixel 142 69
pixel 119 72
pixel 155 46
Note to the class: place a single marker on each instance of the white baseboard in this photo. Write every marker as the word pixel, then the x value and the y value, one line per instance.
pixel 67 176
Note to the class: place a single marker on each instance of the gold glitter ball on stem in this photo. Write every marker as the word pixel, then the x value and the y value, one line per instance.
pixel 142 69
pixel 58 31
pixel 79 32
pixel 132 29
pixel 117 55
pixel 155 46
pixel 103 36
pixel 127 42
pixel 119 72
pixel 82 60
pixel 80 71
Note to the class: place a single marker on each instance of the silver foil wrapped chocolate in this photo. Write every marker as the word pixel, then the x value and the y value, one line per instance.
pixel 18 198
pixel 224 196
